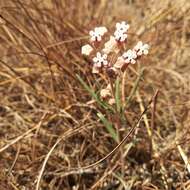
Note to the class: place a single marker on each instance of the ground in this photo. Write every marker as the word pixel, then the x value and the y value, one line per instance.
pixel 49 123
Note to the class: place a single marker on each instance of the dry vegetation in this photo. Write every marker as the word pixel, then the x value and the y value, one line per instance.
pixel 49 124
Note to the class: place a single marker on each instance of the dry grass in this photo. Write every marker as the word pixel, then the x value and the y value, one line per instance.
pixel 48 121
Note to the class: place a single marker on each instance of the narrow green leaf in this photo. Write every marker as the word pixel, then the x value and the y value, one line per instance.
pixel 94 95
pixel 128 101
pixel 90 90
pixel 108 126
pixel 117 95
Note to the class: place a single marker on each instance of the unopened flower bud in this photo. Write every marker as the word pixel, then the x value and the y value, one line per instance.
pixel 86 49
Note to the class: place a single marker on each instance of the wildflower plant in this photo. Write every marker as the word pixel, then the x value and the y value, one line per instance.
pixel 109 56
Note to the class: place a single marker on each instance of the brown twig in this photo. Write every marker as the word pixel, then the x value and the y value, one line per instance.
pixel 153 120
pixel 24 134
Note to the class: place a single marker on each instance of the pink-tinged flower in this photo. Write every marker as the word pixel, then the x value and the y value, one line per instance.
pixel 100 60
pixel 130 56
pixel 97 33
pixel 122 26
pixel 120 36
pixel 86 49
pixel 119 63
pixel 104 93
pixel 102 30
pixel 111 101
pixel 141 49
pixel 111 46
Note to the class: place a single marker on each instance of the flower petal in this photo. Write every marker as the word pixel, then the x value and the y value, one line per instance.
pixel 105 56
pixel 133 61
pixel 145 52
pixel 95 59
pixel 91 32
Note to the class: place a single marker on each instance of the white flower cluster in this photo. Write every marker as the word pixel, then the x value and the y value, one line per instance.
pixel 97 33
pixel 105 54
pixel 131 55
pixel 101 58
pixel 141 49
pixel 121 30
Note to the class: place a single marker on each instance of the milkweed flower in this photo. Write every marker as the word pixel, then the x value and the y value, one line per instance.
pixel 100 60
pixel 102 30
pixel 120 36
pixel 86 49
pixel 97 33
pixel 122 26
pixel 141 49
pixel 130 56
pixel 121 29
pixel 95 36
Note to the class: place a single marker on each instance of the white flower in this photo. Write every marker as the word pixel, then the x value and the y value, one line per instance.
pixel 122 26
pixel 97 33
pixel 102 30
pixel 120 36
pixel 100 60
pixel 130 56
pixel 86 49
pixel 95 36
pixel 141 49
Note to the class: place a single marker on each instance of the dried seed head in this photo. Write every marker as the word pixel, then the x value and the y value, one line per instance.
pixel 112 72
